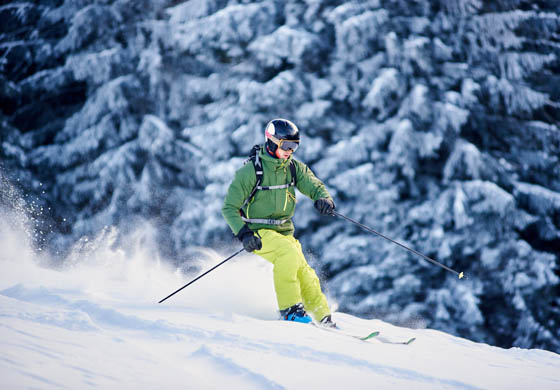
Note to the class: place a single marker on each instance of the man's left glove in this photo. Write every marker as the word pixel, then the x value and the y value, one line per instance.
pixel 325 206
pixel 250 241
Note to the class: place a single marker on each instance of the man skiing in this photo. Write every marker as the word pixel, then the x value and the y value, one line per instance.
pixel 260 215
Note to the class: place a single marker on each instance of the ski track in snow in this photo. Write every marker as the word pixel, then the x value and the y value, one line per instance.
pixel 97 325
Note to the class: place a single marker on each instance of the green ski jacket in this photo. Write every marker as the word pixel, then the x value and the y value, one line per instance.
pixel 278 204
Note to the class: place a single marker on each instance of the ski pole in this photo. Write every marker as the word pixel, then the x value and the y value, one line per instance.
pixel 200 276
pixel 461 275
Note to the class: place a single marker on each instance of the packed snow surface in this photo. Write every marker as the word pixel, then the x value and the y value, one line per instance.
pixel 95 323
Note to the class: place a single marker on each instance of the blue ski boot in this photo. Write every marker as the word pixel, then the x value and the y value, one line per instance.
pixel 295 313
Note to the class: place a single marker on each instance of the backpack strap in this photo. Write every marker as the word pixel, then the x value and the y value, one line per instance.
pixel 292 183
pixel 257 163
pixel 293 172
pixel 265 221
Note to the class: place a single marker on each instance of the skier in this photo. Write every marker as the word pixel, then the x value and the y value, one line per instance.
pixel 260 215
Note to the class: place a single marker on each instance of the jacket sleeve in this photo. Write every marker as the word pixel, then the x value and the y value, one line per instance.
pixel 308 184
pixel 238 191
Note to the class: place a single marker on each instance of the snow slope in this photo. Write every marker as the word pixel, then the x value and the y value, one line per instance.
pixel 96 323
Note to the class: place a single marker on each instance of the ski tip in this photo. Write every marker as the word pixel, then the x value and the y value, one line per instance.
pixel 369 336
pixel 410 341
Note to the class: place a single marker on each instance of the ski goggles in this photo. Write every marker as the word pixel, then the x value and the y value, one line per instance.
pixel 284 144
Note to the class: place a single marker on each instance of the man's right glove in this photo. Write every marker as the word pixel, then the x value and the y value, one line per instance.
pixel 325 206
pixel 250 241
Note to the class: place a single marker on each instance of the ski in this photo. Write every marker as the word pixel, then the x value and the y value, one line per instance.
pixel 369 336
pixel 342 331
pixel 374 335
pixel 388 341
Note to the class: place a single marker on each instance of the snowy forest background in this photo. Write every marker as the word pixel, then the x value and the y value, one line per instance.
pixel 434 122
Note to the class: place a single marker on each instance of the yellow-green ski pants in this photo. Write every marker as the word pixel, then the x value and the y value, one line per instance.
pixel 294 280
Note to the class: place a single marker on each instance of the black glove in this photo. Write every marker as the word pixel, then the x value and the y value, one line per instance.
pixel 325 206
pixel 250 241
